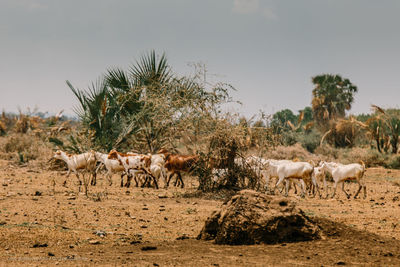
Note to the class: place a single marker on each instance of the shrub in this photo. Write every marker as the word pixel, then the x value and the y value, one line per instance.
pixel 310 140
pixel 23 147
pixel 295 152
pixel 393 162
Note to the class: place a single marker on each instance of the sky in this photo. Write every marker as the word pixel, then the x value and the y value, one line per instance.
pixel 267 49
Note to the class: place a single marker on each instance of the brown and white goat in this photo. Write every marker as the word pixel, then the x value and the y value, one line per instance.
pixel 134 164
pixel 85 161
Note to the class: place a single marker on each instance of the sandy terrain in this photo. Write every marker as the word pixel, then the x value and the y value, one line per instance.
pixel 42 224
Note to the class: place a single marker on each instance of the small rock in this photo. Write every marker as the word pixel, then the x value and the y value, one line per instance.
pixel 38 245
pixel 340 263
pixel 51 254
pixel 145 209
pixel 182 237
pixel 162 196
pixel 100 233
pixel 38 193
pixel 145 248
pixel 94 242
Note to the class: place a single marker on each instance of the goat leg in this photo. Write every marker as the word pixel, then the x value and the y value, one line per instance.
pixel 347 195
pixel 180 178
pixel 358 191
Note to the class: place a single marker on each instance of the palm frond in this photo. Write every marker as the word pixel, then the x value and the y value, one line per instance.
pixel 118 79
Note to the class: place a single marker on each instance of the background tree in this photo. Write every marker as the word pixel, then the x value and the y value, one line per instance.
pixel 391 119
pixel 280 119
pixel 139 105
pixel 332 96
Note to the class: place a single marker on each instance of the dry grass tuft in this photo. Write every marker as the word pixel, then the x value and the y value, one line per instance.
pixel 24 147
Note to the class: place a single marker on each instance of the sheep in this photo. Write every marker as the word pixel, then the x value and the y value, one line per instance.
pixel 341 173
pixel 175 164
pixel 84 161
pixel 295 170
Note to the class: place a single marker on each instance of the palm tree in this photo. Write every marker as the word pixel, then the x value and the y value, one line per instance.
pixel 332 96
pixel 117 96
pixel 99 113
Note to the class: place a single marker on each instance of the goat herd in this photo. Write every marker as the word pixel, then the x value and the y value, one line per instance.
pixel 148 168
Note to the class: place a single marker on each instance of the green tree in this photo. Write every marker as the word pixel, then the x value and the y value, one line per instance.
pixel 307 115
pixel 146 107
pixel 332 96
pixel 280 120
pixel 391 119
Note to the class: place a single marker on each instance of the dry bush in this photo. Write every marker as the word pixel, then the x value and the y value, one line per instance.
pixel 3 128
pixel 295 152
pixel 24 148
pixel 371 157
pixel 22 124
pixel 222 143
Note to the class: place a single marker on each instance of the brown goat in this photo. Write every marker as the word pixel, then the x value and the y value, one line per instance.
pixel 175 164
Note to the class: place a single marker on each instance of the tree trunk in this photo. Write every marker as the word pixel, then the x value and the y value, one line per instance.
pixel 394 143
pixel 378 145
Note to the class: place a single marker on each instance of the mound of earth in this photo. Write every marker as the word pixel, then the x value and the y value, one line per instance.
pixel 251 218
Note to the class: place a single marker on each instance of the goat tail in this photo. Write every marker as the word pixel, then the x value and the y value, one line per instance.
pixel 363 164
pixel 312 172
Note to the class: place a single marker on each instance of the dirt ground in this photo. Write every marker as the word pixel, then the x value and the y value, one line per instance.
pixel 46 224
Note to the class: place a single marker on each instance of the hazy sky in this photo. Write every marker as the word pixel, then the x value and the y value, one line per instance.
pixel 267 49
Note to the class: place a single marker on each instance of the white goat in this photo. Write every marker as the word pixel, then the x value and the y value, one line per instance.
pixel 157 167
pixel 84 161
pixel 112 166
pixel 295 170
pixel 341 173
pixel 270 171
